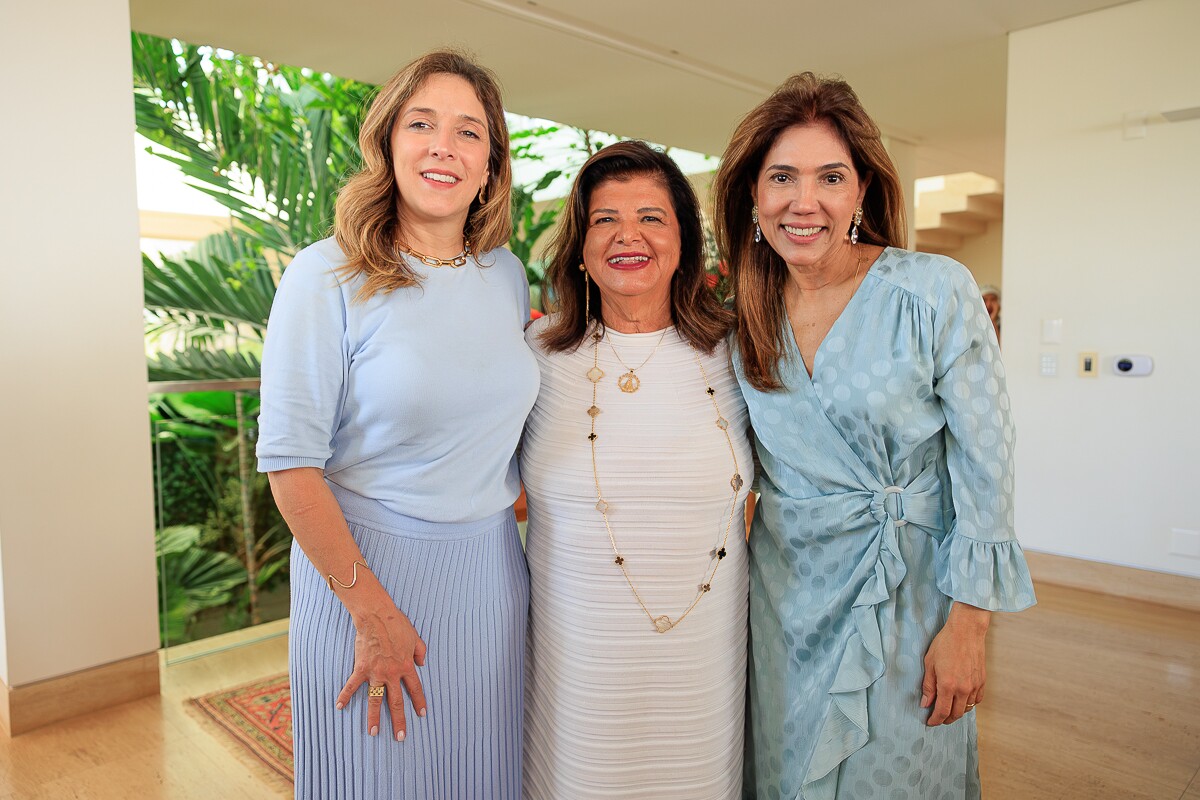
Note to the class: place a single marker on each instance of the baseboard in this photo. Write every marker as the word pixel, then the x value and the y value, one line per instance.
pixel 1163 588
pixel 32 705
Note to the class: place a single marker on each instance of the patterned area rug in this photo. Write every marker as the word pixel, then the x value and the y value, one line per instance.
pixel 259 717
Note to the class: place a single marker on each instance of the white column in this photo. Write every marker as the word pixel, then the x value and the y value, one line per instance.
pixel 77 574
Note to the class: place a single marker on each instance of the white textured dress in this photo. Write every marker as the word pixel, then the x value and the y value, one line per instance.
pixel 614 709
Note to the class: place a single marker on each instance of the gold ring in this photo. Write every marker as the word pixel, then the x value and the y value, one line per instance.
pixel 375 691
pixel 970 706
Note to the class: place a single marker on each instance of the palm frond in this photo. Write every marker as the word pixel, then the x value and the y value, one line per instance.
pixel 198 364
pixel 226 282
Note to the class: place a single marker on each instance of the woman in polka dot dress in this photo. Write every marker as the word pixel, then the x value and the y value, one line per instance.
pixel 884 536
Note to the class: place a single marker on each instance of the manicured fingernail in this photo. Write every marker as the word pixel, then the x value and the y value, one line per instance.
pixel 340 705
pixel 421 713
pixel 374 730
pixel 399 736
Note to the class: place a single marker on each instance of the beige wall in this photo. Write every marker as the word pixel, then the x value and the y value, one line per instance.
pixel 904 157
pixel 77 578
pixel 1099 232
pixel 982 254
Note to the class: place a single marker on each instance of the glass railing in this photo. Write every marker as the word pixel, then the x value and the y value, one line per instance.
pixel 221 543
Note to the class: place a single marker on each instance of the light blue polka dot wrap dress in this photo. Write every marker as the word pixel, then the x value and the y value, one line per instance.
pixel 886 483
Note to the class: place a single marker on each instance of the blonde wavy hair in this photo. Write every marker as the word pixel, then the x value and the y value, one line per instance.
pixel 366 220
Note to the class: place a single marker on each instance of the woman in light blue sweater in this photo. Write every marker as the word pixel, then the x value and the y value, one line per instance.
pixel 395 384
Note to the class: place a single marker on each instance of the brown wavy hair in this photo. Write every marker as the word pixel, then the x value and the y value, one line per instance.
pixel 759 274
pixel 699 317
pixel 366 221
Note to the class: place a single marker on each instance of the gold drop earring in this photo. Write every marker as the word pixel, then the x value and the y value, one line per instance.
pixel 858 215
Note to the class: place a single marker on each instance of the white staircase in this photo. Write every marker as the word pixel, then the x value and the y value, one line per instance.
pixel 952 208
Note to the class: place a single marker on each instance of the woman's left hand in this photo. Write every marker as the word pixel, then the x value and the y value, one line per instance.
pixel 954 666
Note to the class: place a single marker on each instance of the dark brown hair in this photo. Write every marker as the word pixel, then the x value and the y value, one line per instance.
pixel 367 222
pixel 759 274
pixel 699 317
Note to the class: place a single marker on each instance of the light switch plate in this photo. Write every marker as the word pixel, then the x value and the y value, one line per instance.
pixel 1052 331
pixel 1049 365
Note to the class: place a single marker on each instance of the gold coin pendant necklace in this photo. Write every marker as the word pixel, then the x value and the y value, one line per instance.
pixel 662 622
pixel 629 382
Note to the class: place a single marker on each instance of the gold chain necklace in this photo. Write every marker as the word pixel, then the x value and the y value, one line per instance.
pixel 429 261
pixel 629 382
pixel 662 622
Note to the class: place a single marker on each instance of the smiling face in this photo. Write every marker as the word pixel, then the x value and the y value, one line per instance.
pixel 440 150
pixel 632 245
pixel 806 193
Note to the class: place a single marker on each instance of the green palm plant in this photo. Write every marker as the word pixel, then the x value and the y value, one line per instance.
pixel 270 143
pixel 193 578
pixel 530 223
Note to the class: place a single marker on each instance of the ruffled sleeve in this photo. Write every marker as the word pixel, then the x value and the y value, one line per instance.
pixel 980 562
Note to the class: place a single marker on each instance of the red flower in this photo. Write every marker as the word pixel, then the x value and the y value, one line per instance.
pixel 722 268
pixel 711 280
pixel 534 314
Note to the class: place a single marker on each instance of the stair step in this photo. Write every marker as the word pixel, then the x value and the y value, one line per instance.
pixel 938 240
pixel 963 205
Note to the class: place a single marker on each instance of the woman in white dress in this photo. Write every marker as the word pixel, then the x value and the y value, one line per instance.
pixel 636 464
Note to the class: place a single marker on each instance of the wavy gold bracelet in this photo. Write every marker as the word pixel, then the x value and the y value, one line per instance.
pixel 332 580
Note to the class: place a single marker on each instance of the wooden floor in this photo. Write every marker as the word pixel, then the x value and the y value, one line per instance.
pixel 151 748
pixel 1089 697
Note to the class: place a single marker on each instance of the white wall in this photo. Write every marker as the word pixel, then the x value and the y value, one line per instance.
pixel 1099 231
pixel 76 512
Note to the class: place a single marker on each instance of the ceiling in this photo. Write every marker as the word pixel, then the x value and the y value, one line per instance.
pixel 931 72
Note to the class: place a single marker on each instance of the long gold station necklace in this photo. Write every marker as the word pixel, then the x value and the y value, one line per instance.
pixel 662 622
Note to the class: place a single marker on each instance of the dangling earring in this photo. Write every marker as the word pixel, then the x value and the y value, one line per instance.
pixel 587 297
pixel 854 227
pixel 757 230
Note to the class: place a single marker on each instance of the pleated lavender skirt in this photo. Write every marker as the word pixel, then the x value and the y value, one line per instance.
pixel 465 587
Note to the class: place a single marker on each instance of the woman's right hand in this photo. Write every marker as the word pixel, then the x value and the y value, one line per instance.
pixel 387 651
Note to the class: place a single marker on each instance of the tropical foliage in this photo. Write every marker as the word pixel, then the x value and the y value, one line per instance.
pixel 207 485
pixel 529 225
pixel 193 577
pixel 272 144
